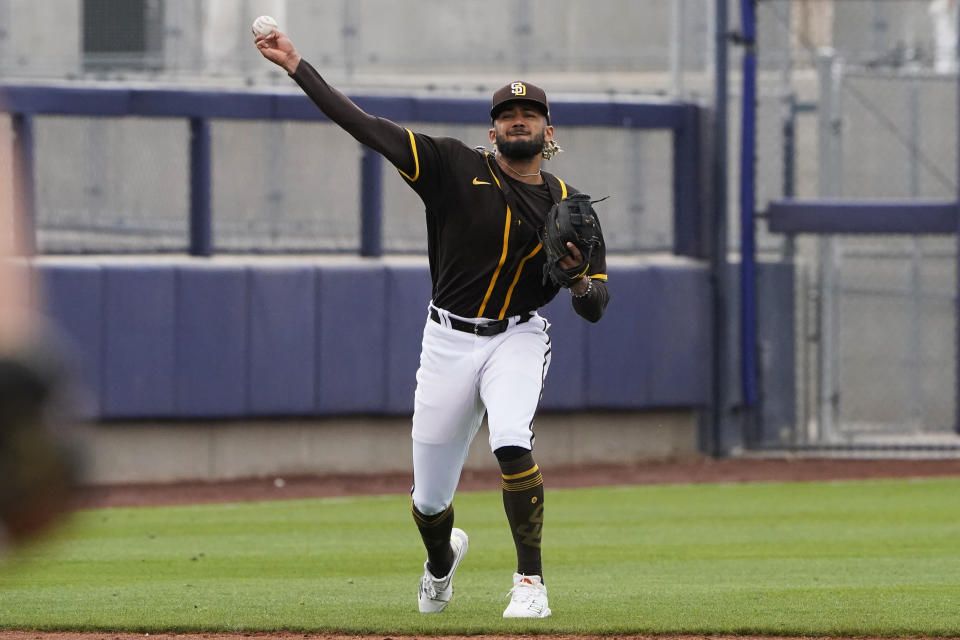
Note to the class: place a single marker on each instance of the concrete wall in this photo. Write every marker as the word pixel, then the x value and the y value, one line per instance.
pixel 150 451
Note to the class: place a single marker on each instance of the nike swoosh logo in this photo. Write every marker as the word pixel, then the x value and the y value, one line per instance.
pixel 478 181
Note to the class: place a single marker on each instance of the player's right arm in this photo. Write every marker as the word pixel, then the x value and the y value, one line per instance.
pixel 386 137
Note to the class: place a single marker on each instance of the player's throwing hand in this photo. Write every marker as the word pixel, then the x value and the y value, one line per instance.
pixel 278 49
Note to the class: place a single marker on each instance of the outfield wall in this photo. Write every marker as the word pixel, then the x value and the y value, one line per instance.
pixel 231 367
pixel 186 338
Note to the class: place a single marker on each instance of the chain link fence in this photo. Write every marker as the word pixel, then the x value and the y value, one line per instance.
pixel 357 41
pixel 112 185
pixel 858 100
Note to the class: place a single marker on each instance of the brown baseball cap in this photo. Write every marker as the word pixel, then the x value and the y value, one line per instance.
pixel 519 92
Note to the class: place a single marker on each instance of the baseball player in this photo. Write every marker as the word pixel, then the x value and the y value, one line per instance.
pixel 485 348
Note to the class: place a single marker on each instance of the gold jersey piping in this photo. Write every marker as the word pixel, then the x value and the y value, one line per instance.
pixel 503 253
pixel 416 160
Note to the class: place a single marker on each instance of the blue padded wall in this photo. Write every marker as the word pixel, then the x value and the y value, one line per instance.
pixel 282 327
pixel 408 294
pixel 653 349
pixel 565 384
pixel 73 298
pixel 352 330
pixel 212 316
pixel 139 347
pixel 195 338
pixel 676 331
pixel 615 357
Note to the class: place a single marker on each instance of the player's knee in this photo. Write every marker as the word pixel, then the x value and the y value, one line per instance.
pixel 429 510
pixel 514 460
pixel 520 473
pixel 429 513
pixel 428 505
pixel 511 453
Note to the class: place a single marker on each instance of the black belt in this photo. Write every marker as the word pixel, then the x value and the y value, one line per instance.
pixel 484 329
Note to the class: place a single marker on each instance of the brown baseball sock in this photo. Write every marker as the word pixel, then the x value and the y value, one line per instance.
pixel 523 502
pixel 435 531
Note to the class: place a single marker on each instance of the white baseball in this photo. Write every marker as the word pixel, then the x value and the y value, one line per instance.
pixel 264 26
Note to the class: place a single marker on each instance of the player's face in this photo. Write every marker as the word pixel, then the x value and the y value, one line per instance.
pixel 520 131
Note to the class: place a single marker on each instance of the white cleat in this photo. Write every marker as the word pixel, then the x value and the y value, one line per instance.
pixel 435 593
pixel 528 598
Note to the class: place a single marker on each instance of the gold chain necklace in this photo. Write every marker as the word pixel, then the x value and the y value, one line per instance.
pixel 522 175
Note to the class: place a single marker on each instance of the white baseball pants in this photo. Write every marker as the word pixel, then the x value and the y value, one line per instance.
pixel 461 377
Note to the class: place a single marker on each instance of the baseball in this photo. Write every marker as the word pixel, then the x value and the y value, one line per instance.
pixel 264 26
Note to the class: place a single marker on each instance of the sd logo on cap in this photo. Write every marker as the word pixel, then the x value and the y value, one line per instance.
pixel 519 92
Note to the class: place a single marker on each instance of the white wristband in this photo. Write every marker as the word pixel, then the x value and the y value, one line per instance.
pixel 586 291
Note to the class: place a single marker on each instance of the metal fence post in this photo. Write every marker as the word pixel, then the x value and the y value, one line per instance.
pixel 830 186
pixel 712 442
pixel 201 243
pixel 748 290
pixel 23 185
pixel 688 218
pixel 956 382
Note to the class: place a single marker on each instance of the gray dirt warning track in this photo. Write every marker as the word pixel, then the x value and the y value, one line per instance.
pixel 688 470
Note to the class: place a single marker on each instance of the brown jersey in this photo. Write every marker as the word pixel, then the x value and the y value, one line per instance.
pixel 485 256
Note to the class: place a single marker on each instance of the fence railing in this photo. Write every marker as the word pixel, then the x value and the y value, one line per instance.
pixel 682 119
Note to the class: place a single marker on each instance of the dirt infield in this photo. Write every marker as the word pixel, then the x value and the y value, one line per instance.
pixel 34 635
pixel 674 471
pixel 677 471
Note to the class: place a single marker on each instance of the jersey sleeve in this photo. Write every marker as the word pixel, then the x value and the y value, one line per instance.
pixel 380 134
pixel 434 159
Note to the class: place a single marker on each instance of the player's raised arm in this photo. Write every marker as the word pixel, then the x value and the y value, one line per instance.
pixel 380 134
pixel 275 46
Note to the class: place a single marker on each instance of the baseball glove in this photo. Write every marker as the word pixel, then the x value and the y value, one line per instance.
pixel 570 220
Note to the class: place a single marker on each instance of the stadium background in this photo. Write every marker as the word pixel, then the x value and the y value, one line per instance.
pixel 193 365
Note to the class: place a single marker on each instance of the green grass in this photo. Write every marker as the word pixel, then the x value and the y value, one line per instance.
pixel 845 558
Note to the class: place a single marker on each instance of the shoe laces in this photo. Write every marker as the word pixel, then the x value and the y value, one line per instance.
pixel 430 587
pixel 524 591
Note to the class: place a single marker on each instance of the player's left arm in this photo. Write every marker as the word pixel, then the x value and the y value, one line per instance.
pixel 590 294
